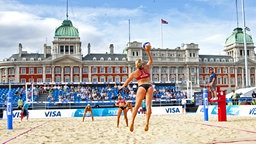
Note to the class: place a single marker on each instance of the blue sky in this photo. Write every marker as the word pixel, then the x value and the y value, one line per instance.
pixel 103 22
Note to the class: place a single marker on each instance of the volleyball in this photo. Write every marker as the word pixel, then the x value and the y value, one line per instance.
pixel 147 46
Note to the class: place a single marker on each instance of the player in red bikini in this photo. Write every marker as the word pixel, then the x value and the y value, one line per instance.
pixel 122 108
pixel 145 89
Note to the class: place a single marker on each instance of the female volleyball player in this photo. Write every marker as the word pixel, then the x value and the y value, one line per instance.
pixel 145 89
pixel 122 108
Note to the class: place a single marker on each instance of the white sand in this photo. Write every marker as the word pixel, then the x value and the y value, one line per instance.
pixel 163 129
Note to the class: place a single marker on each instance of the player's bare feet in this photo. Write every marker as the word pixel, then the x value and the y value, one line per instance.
pixel 146 128
pixel 132 127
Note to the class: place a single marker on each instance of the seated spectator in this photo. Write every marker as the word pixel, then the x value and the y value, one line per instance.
pixel 253 94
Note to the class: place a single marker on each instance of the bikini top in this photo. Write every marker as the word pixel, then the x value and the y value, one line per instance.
pixel 143 74
pixel 120 101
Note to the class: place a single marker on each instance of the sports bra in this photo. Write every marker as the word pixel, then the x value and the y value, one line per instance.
pixel 143 74
pixel 120 101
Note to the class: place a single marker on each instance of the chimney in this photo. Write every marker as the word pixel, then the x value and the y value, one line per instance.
pixel 20 49
pixel 89 48
pixel 111 48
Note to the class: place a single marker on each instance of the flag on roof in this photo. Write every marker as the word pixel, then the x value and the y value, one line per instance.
pixel 164 21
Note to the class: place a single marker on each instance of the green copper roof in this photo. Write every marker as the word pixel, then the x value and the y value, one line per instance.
pixel 238 37
pixel 66 30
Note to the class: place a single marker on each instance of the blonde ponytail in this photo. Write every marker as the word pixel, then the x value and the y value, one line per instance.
pixel 138 63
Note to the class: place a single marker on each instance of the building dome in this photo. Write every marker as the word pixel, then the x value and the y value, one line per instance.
pixel 66 30
pixel 238 37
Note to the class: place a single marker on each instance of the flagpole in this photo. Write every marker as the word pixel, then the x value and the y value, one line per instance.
pixel 162 34
pixel 245 47
pixel 129 31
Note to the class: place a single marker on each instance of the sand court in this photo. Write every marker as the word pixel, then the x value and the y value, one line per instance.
pixel 165 129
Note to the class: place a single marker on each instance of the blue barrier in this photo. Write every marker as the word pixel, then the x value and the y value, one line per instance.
pixel 9 112
pixel 205 96
pixel 97 112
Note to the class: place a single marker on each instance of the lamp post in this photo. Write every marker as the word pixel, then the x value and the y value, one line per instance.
pixel 245 47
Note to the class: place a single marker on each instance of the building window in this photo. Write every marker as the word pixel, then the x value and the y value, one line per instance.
pixel 61 49
pixel 123 59
pixel 110 79
pixel 102 70
pixel 116 59
pixel 232 81
pixel 164 78
pixel 85 70
pixel 117 69
pixel 85 80
pixel 206 70
pixel 172 70
pixel 200 70
pixel 94 79
pixel 225 70
pixel 23 80
pixel 31 80
pixel 66 49
pixel 76 79
pixel 225 80
pixel 71 49
pixel 205 60
pixel 11 71
pixel 109 59
pixel 67 70
pixel 241 52
pixel 192 70
pixel 39 70
pixel 155 70
pixel 67 79
pixel 57 79
pixel 239 70
pixel 117 79
pixel 23 70
pixel 109 69
pixel 124 78
pixel 164 70
pixel 94 70
pixel 31 70
pixel 124 70
pixel 217 60
pixel 180 70
pixel 102 79
pixel 219 70
pixel 101 59
pixel 57 70
pixel 39 80
pixel 94 59
pixel 48 80
pixel 76 70
pixel 48 70
pixel 232 71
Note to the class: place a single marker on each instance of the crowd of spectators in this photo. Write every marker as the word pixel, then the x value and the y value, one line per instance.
pixel 65 93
